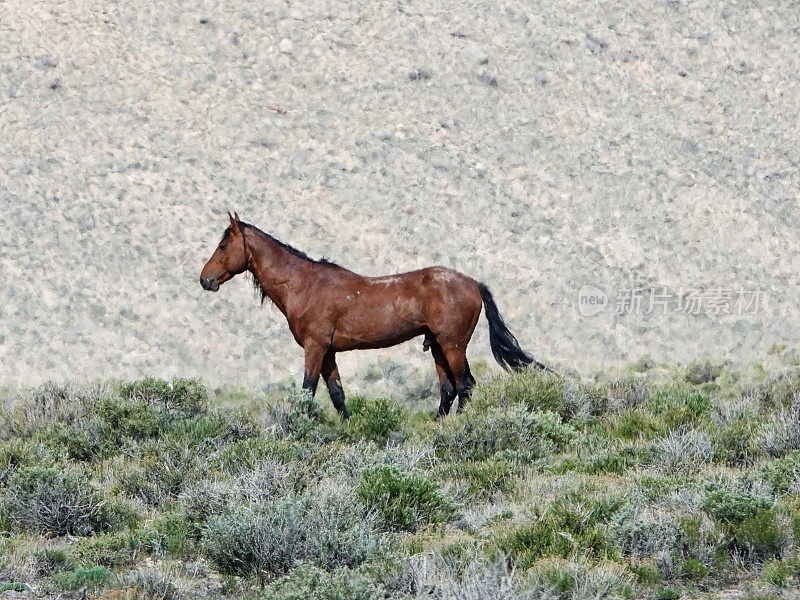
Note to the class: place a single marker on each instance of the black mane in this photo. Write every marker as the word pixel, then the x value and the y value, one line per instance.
pixel 291 249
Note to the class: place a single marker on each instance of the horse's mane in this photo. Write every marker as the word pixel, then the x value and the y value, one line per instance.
pixel 290 249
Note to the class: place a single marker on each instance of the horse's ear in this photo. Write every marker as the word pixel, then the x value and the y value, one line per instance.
pixel 235 215
pixel 234 223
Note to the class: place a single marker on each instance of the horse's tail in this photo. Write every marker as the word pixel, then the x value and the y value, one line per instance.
pixel 505 346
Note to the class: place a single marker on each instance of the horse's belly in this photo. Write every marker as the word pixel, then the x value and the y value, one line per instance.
pixel 366 325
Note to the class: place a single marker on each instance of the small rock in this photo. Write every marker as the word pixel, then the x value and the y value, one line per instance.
pixel 286 46
pixel 458 34
pixel 473 53
pixel 596 43
pixel 540 79
pixel 203 21
pixel 420 74
pixel 55 84
pixel 46 62
pixel 488 79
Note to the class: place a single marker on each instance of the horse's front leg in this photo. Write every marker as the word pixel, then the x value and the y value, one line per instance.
pixel 315 355
pixel 330 373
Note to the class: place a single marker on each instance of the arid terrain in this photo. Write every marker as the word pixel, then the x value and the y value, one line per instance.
pixel 646 482
pixel 539 147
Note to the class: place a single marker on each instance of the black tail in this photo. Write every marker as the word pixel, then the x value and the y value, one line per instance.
pixel 505 346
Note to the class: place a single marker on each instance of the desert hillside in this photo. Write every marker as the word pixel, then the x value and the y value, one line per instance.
pixel 537 146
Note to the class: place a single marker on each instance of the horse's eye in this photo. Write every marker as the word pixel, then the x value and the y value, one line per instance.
pixel 223 246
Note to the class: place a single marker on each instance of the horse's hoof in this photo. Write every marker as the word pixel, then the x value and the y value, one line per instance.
pixel 426 345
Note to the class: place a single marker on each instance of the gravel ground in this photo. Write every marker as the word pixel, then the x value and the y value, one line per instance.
pixel 537 146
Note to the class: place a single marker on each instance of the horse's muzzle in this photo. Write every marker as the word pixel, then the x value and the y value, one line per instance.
pixel 212 285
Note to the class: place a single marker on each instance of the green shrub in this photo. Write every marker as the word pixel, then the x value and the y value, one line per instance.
pixel 163 469
pixel 244 455
pixel 783 474
pixel 761 536
pixel 732 507
pixel 636 424
pixel 783 573
pixel 645 573
pixel 18 453
pixel 179 398
pixel 514 430
pixel 89 577
pixel 84 441
pixel 693 570
pixel 215 429
pixel 269 539
pixel 779 390
pixel 535 389
pixel 405 501
pixel 172 533
pixel 58 501
pixel 52 560
pixel 308 582
pixel 667 593
pixel 616 461
pixel 112 549
pixel 483 477
pixel 678 405
pixel 134 420
pixel 739 443
pixel 374 419
pixel 569 525
pixel 703 371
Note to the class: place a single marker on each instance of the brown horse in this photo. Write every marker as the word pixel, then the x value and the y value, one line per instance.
pixel 331 309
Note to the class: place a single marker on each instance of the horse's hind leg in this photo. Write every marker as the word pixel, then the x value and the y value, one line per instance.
pixel 462 377
pixel 446 387
pixel 330 373
pixel 466 389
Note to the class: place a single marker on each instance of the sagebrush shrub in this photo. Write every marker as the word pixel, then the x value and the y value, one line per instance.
pixel 271 538
pixel 740 442
pixel 404 501
pixel 162 471
pixel 59 501
pixel 783 474
pixel 578 579
pixel 179 398
pixel 782 432
pixel 779 390
pixel 296 415
pixel 732 507
pixel 309 582
pixel 684 450
pixel 439 577
pixel 514 430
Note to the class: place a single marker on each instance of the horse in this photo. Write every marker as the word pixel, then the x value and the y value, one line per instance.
pixel 331 309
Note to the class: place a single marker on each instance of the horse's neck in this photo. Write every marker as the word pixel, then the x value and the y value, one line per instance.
pixel 279 272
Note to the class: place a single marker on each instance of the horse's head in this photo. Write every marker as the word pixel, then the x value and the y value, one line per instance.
pixel 229 259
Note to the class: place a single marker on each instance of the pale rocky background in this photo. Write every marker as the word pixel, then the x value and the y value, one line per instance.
pixel 537 146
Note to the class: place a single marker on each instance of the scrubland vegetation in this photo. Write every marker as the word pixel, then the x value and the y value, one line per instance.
pixel 652 481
